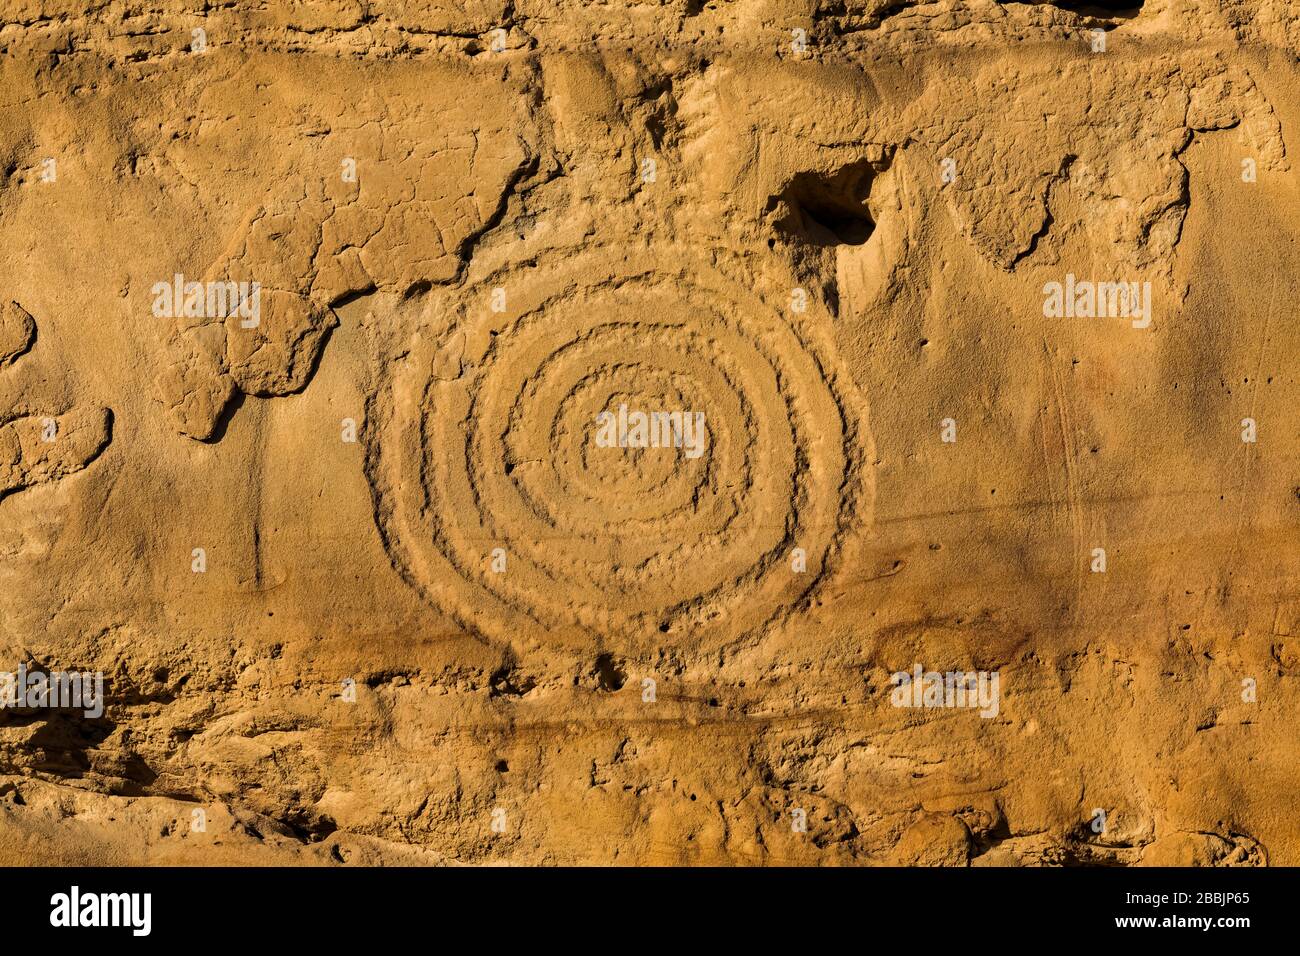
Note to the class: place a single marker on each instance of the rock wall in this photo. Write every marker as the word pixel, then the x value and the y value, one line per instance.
pixel 326 327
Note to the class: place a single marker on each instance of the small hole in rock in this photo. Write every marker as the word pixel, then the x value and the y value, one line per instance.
pixel 827 209
pixel 609 674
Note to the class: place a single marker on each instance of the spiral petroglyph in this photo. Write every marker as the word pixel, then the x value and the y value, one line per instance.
pixel 499 501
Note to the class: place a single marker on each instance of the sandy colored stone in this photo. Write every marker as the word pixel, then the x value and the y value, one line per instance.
pixel 17 332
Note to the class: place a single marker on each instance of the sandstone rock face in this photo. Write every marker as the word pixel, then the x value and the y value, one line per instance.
pixel 339 357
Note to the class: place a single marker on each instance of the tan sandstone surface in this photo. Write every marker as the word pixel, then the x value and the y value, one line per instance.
pixel 365 586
